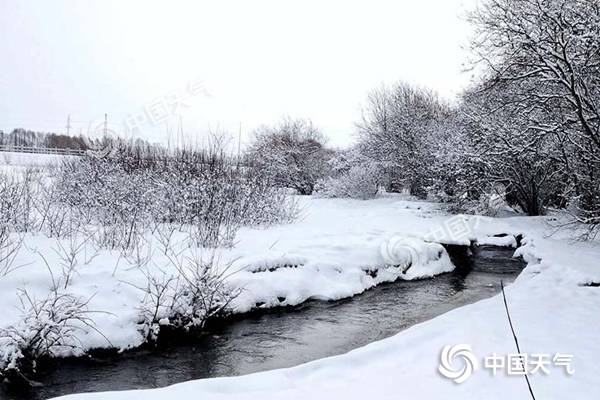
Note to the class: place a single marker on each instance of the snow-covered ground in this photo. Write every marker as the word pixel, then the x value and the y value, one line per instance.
pixel 331 253
pixel 11 161
pixel 326 255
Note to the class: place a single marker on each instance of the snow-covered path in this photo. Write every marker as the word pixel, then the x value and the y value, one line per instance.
pixel 552 309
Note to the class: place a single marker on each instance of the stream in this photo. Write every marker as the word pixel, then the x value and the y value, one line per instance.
pixel 283 337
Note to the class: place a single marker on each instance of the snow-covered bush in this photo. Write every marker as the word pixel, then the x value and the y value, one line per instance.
pixel 359 182
pixel 187 299
pixel 204 290
pixel 293 152
pixel 115 200
pixel 17 194
pixel 49 328
pixel 204 192
pixel 54 220
pixel 15 216
pixel 161 294
pixel 114 205
pixel 352 175
pixel 10 245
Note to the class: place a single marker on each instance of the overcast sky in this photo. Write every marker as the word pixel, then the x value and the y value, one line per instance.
pixel 218 64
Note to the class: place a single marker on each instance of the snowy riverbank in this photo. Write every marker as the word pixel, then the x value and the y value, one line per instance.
pixel 338 249
pixel 552 308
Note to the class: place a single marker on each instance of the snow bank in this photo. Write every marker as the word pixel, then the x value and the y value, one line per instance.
pixel 504 241
pixel 551 310
pixel 333 272
pixel 341 248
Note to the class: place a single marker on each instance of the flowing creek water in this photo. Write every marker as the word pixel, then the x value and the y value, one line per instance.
pixel 284 337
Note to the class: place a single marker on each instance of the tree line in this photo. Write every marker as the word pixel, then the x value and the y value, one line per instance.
pixel 530 122
pixel 29 138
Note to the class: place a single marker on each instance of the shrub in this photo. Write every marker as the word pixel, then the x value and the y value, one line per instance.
pixel 48 328
pixel 185 300
pixel 293 152
pixel 205 190
pixel 359 182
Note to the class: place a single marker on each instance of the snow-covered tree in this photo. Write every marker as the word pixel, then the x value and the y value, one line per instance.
pixel 293 152
pixel 547 53
pixel 352 175
pixel 506 150
pixel 397 129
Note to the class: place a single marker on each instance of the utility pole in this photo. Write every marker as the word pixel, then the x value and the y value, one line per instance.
pixel 68 124
pixel 180 135
pixel 239 141
pixel 105 125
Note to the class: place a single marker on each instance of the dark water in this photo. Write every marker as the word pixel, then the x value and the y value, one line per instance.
pixel 285 337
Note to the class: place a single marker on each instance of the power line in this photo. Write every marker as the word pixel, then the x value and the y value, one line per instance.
pixel 512 329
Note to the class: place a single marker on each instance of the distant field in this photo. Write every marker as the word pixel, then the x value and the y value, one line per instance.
pixel 15 159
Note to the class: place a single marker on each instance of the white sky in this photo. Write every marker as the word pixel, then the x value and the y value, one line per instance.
pixel 258 60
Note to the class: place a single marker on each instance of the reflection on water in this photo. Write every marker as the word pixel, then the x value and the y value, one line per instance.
pixel 285 337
